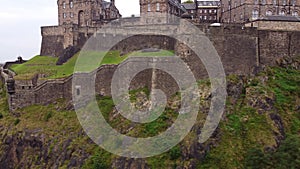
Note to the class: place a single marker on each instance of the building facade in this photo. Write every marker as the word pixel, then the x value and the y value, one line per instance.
pixel 173 7
pixel 242 11
pixel 86 12
pixel 77 21
pixel 207 10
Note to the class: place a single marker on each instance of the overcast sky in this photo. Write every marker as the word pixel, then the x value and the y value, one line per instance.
pixel 20 23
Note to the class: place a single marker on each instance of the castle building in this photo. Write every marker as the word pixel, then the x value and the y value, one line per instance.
pixel 86 12
pixel 242 11
pixel 77 21
pixel 173 7
pixel 191 10
pixel 207 10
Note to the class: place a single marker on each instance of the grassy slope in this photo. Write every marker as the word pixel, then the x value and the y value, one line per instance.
pixel 242 129
pixel 47 65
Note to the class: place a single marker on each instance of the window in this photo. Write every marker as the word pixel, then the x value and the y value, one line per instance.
pixel 78 90
pixel 293 2
pixel 64 5
pixel 71 4
pixel 205 17
pixel 210 11
pixel 71 14
pixel 157 6
pixel 283 2
pixel 235 4
pixel 274 2
pixel 295 13
pixel 149 7
pixel 64 15
pixel 255 14
pixel 282 13
pixel 205 10
pixel 255 2
pixel 263 2
pixel 269 13
pixel 242 2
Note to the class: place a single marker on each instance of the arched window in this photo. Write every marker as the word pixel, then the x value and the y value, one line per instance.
pixel 64 15
pixel 283 2
pixel 263 2
pixel 71 4
pixel 295 13
pixel 293 2
pixel 282 13
pixel 149 7
pixel 269 13
pixel 255 14
pixel 157 6
pixel 64 5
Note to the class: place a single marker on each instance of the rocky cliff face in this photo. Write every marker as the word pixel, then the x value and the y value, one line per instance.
pixel 32 149
pixel 261 111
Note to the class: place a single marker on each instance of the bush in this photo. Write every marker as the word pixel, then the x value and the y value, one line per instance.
pixel 286 156
pixel 17 121
pixel 99 160
pixel 47 116
pixel 175 153
pixel 255 158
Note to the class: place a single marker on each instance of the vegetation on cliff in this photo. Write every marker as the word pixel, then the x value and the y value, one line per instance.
pixel 260 129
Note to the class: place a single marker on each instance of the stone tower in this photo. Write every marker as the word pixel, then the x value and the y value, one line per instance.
pixel 77 21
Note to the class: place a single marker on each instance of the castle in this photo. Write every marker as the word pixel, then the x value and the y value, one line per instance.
pixel 77 20
pixel 242 47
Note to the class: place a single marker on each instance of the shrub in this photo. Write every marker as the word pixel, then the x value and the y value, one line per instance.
pixel 17 121
pixel 47 116
pixel 175 153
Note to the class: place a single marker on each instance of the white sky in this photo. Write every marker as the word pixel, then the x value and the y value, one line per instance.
pixel 20 23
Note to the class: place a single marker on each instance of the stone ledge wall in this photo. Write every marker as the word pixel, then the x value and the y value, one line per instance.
pixel 277 44
pixel 240 49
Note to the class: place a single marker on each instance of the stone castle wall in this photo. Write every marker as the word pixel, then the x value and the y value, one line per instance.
pixel 240 50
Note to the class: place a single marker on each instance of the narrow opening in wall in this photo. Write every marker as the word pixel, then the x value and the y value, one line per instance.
pixel 78 90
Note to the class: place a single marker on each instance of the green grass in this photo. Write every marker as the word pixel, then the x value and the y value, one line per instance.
pixel 88 61
pixel 158 54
